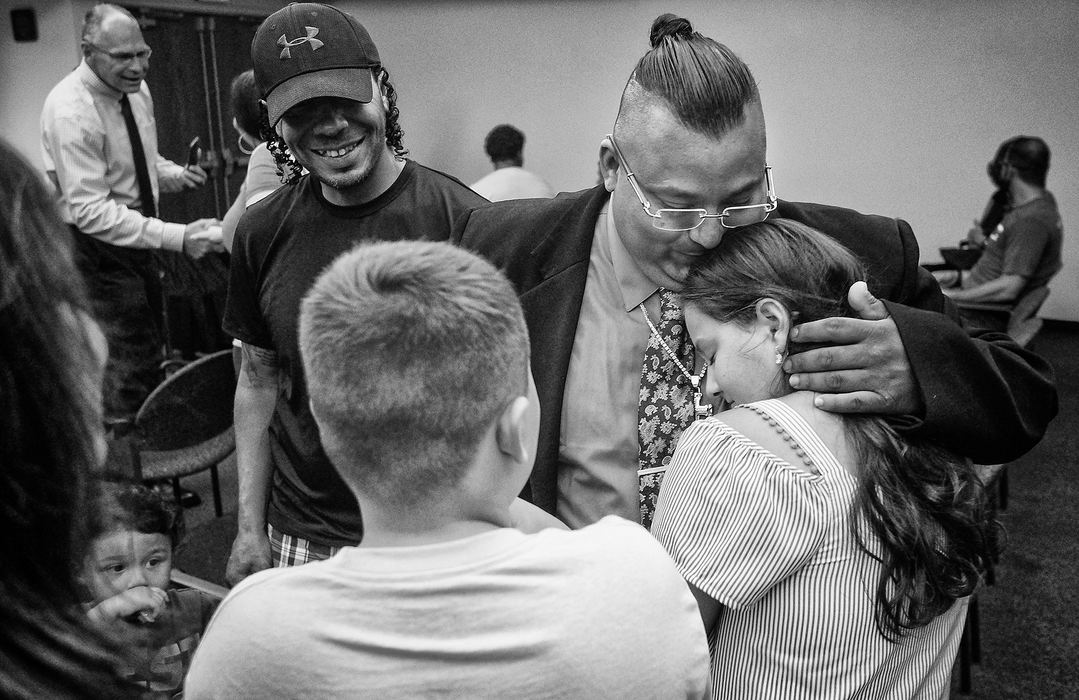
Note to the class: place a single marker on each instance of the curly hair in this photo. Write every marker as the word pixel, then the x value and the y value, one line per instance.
pixel 289 170
pixel 919 509
pixel 121 503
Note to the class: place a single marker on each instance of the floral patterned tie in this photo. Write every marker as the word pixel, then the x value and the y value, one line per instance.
pixel 665 408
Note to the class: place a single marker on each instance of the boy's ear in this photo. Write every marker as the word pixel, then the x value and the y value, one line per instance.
pixel 510 433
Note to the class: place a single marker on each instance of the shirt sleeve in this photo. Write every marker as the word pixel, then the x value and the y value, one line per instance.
pixel 169 174
pixel 243 318
pixel 79 163
pixel 262 177
pixel 736 521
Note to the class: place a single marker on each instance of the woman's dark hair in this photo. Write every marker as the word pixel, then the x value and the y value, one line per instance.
pixel 289 170
pixel 120 503
pixel 924 505
pixel 704 84
pixel 244 100
pixel 50 412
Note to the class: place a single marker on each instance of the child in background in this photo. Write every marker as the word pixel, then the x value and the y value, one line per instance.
pixel 126 574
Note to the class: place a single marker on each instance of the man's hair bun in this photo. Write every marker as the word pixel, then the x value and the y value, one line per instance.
pixel 669 25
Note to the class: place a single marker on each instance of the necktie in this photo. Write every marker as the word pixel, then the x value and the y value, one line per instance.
pixel 142 172
pixel 665 408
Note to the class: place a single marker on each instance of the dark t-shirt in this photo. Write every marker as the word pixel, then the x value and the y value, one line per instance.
pixel 282 244
pixel 1029 245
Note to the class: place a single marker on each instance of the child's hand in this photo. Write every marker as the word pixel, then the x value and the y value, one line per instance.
pixel 143 603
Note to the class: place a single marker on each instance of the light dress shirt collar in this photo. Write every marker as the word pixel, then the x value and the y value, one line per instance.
pixel 635 287
pixel 95 84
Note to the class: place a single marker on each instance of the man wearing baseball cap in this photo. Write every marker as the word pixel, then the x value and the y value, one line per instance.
pixel 331 110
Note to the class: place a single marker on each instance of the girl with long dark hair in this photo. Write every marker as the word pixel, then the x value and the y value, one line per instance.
pixel 830 555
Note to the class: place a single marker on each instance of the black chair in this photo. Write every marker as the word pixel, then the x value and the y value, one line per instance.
pixel 185 424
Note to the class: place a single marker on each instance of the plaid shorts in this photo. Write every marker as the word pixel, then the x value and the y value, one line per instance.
pixel 289 550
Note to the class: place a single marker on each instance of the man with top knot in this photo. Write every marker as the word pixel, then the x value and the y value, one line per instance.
pixel 598 272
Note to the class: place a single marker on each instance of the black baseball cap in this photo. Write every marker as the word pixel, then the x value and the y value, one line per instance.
pixel 308 50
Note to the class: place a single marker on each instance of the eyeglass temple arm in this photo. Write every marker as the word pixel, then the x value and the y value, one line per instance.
pixel 631 177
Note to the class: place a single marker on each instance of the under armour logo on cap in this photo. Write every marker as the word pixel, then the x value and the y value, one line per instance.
pixel 312 32
pixel 342 61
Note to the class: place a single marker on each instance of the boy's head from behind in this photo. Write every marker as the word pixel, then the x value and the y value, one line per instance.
pixel 131 529
pixel 414 352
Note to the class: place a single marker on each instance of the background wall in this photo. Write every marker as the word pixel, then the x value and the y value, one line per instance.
pixel 886 106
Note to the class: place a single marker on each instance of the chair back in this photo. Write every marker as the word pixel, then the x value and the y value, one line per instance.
pixel 1028 305
pixel 191 406
pixel 1023 323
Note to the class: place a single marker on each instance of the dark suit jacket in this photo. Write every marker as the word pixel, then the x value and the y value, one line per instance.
pixel 984 397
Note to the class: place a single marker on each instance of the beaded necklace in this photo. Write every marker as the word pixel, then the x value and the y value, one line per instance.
pixel 700 408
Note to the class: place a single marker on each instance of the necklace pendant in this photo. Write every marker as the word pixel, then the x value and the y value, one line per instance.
pixel 700 409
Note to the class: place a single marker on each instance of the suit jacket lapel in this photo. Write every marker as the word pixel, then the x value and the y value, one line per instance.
pixel 552 308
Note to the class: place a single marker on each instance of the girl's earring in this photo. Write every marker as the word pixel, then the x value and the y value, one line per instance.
pixel 779 356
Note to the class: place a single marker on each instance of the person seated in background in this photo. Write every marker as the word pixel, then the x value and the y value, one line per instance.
pixel 832 557
pixel 505 147
pixel 127 577
pixel 1022 252
pixel 417 358
pixel 52 362
pixel 262 176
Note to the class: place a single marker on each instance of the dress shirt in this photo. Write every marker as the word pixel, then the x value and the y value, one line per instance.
pixel 512 183
pixel 87 155
pixel 598 453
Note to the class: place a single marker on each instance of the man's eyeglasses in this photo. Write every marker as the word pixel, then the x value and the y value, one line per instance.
pixel 124 56
pixel 689 219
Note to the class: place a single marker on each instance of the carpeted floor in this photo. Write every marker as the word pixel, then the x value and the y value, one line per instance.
pixel 1029 618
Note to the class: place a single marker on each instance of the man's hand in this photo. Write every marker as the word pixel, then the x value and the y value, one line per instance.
pixel 201 237
pixel 975 236
pixel 193 176
pixel 250 553
pixel 862 366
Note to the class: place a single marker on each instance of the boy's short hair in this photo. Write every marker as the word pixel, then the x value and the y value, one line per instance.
pixel 119 502
pixel 411 349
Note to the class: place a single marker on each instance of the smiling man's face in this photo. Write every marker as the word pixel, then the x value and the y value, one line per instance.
pixel 341 142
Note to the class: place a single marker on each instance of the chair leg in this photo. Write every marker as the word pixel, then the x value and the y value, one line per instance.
pixel 1002 489
pixel 964 662
pixel 216 484
pixel 974 627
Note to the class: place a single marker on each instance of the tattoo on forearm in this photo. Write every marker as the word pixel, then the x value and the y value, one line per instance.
pixel 260 365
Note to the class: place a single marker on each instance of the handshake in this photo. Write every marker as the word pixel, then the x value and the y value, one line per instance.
pixel 201 237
